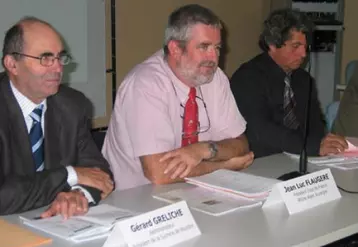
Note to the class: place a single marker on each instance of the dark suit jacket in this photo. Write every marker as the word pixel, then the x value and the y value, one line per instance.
pixel 258 87
pixel 346 123
pixel 67 142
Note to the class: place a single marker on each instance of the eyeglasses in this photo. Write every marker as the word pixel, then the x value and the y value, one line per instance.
pixel 48 59
pixel 201 129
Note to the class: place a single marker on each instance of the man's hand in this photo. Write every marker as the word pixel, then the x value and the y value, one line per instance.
pixel 182 160
pixel 96 178
pixel 240 162
pixel 332 144
pixel 67 204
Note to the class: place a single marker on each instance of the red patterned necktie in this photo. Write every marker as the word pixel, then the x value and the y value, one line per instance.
pixel 190 120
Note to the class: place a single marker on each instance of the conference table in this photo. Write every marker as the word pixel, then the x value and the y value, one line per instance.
pixel 252 226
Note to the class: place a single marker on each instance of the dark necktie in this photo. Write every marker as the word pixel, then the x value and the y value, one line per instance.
pixel 190 120
pixel 36 138
pixel 289 103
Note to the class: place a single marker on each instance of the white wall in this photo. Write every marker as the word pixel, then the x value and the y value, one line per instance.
pixel 82 25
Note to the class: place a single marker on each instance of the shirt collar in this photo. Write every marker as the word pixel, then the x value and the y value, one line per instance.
pixel 26 105
pixel 274 67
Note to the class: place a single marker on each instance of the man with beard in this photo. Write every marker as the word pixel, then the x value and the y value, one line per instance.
pixel 175 115
pixel 47 155
pixel 271 91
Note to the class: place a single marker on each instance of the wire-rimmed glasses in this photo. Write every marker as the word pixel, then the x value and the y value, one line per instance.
pixel 200 129
pixel 48 59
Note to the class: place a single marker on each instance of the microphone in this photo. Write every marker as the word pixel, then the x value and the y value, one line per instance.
pixel 303 155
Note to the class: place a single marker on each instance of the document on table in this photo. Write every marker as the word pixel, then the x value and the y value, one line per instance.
pixel 352 147
pixel 349 156
pixel 97 223
pixel 208 201
pixel 234 182
pixel 345 161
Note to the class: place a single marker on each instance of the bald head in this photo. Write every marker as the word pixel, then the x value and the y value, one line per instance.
pixel 14 40
pixel 31 55
pixel 39 38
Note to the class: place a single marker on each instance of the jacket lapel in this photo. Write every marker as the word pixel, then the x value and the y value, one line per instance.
pixel 19 136
pixel 52 134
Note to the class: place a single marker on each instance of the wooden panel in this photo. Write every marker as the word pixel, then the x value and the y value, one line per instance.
pixel 140 34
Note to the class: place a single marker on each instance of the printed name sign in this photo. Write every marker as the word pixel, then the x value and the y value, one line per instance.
pixel 304 192
pixel 165 226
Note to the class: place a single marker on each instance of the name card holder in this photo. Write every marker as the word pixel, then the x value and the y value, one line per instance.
pixel 165 226
pixel 304 192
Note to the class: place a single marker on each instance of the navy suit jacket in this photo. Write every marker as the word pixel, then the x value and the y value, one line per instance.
pixel 68 141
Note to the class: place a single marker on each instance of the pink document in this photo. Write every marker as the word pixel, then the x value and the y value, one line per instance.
pixel 352 150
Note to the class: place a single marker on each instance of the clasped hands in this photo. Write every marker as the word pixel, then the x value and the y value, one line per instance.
pixel 180 162
pixel 74 202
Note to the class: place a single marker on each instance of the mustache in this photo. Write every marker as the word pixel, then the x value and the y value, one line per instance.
pixel 208 63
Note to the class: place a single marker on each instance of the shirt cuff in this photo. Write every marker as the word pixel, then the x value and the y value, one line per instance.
pixel 85 192
pixel 72 178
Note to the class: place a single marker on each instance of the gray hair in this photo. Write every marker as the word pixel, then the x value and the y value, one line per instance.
pixel 279 25
pixel 183 19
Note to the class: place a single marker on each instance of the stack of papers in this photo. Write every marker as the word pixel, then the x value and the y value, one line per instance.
pixel 221 192
pixel 326 160
pixel 347 160
pixel 97 223
pixel 237 183
pixel 208 201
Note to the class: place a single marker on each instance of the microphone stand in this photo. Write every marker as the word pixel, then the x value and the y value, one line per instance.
pixel 303 155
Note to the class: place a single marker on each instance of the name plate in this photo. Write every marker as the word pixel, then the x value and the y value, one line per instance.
pixel 165 226
pixel 304 192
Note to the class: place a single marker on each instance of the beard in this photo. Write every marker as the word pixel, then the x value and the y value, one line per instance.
pixel 193 73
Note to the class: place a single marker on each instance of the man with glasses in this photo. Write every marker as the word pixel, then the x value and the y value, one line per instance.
pixel 47 155
pixel 175 115
pixel 271 91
